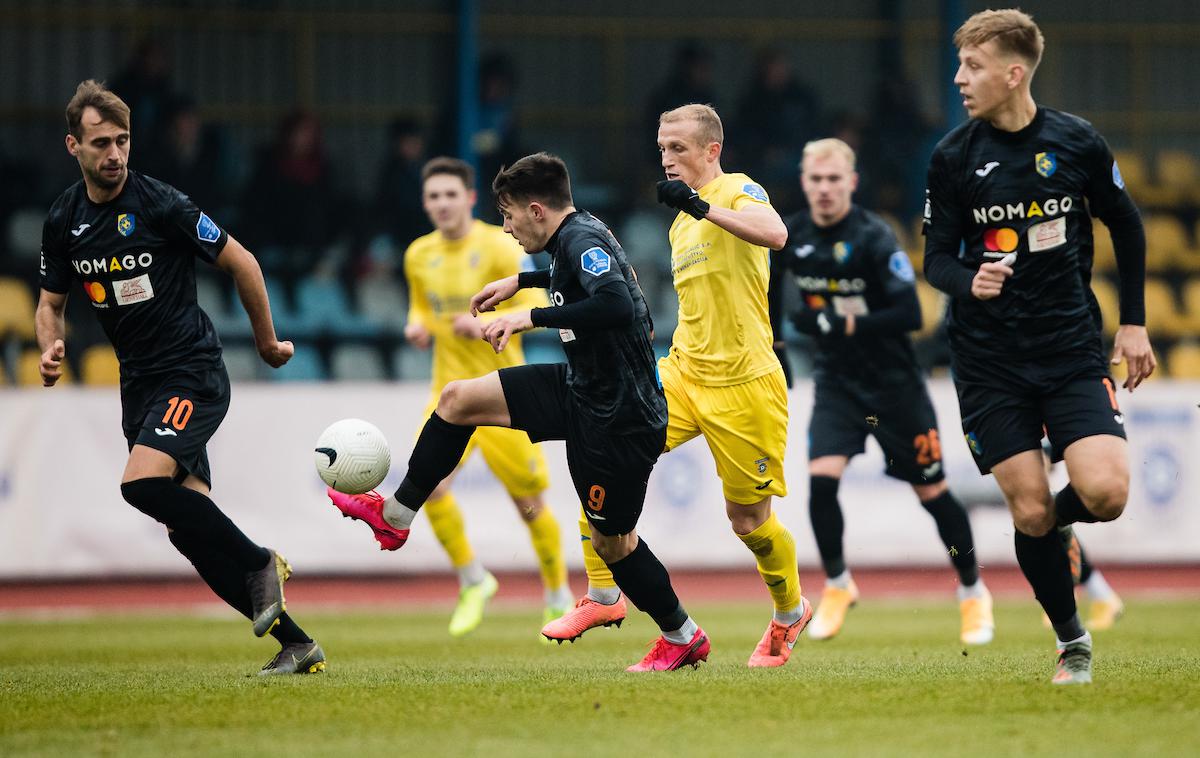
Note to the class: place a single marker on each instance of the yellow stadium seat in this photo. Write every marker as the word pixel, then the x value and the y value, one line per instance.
pixel 1109 302
pixel 16 309
pixel 99 366
pixel 27 373
pixel 1179 176
pixel 1104 260
pixel 1163 317
pixel 1191 304
pixel 1166 242
pixel 1133 170
pixel 933 307
pixel 1183 361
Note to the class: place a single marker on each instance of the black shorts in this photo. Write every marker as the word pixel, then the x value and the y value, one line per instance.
pixel 176 413
pixel 901 420
pixel 1007 407
pixel 610 471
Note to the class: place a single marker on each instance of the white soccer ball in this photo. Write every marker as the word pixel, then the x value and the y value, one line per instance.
pixel 352 456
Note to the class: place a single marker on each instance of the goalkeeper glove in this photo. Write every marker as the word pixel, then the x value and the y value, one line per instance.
pixel 678 195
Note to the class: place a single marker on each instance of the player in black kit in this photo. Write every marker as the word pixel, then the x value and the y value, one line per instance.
pixel 858 302
pixel 1016 186
pixel 131 242
pixel 605 401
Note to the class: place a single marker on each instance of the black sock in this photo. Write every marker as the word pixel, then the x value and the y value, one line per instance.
pixel 825 513
pixel 437 453
pixel 955 530
pixel 1070 509
pixel 228 582
pixel 194 516
pixel 1044 563
pixel 644 580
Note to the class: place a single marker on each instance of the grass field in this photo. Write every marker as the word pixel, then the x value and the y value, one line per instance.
pixel 895 682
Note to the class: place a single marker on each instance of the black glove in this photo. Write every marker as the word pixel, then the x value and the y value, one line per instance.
pixel 678 195
pixel 820 323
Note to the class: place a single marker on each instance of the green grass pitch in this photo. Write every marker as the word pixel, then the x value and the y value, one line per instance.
pixel 895 682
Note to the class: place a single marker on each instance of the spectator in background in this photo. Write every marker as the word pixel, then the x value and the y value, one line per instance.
pixel 397 203
pixel 145 85
pixel 777 116
pixel 689 81
pixel 194 157
pixel 290 207
pixel 897 144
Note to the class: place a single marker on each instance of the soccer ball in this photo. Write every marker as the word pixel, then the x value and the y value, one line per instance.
pixel 352 456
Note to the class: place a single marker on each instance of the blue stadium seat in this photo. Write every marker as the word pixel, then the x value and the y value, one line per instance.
pixel 305 366
pixel 381 301
pixel 243 363
pixel 357 363
pixel 323 308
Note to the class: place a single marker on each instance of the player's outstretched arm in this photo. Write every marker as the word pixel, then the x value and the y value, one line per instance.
pixel 237 261
pixel 51 329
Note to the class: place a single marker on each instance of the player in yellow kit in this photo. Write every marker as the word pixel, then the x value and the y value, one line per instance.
pixel 722 379
pixel 444 269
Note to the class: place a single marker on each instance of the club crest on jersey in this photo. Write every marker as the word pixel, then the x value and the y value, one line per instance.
pixel 1046 164
pixel 756 192
pixel 595 261
pixel 126 223
pixel 841 251
pixel 206 229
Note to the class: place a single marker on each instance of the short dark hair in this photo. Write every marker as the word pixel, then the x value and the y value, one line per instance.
pixel 542 177
pixel 93 94
pixel 452 166
pixel 1013 31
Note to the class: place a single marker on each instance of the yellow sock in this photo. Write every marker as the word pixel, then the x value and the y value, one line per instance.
pixel 547 543
pixel 597 570
pixel 774 549
pixel 447 522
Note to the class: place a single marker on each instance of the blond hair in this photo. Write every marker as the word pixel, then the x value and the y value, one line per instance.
pixel 1013 31
pixel 708 123
pixel 92 94
pixel 823 148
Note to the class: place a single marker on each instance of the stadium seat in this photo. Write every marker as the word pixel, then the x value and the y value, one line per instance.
pixel 1136 176
pixel 243 363
pixel 27 373
pixel 323 308
pixel 99 366
pixel 1110 309
pixel 1163 316
pixel 412 364
pixel 16 309
pixel 1166 242
pixel 933 308
pixel 1191 305
pixel 1179 175
pixel 305 366
pixel 1183 361
pixel 381 301
pixel 282 313
pixel 357 363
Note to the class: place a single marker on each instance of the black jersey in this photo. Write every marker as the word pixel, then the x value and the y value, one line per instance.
pixel 855 266
pixel 1033 193
pixel 611 372
pixel 135 259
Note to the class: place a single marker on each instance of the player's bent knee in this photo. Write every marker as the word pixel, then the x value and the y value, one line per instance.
pixel 1033 522
pixel 1106 500
pixel 746 518
pixel 927 492
pixel 613 548
pixel 453 402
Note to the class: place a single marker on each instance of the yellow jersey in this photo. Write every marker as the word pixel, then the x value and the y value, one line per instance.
pixel 724 334
pixel 443 275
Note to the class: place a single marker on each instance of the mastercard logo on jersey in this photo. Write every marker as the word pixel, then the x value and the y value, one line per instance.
pixel 95 292
pixel 1002 240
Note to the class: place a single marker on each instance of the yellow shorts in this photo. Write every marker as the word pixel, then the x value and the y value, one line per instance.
pixel 512 458
pixel 744 424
